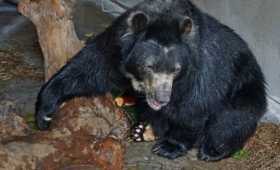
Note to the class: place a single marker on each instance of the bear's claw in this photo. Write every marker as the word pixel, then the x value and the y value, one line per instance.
pixel 209 153
pixel 137 132
pixel 43 121
pixel 168 149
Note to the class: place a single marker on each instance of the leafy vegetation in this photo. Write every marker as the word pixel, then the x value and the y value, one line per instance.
pixel 241 154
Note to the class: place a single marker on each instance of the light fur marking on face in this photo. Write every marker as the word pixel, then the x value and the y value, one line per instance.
pixel 137 85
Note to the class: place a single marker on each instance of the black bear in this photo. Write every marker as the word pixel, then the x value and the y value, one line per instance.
pixel 197 80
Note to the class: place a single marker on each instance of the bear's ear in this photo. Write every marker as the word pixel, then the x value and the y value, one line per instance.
pixel 186 25
pixel 137 21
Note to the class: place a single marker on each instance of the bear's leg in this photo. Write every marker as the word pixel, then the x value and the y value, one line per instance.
pixel 170 148
pixel 177 141
pixel 85 75
pixel 226 133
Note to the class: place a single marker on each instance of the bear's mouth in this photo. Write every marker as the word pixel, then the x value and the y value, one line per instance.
pixel 154 104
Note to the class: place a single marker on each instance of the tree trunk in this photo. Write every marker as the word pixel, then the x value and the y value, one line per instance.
pixel 55 28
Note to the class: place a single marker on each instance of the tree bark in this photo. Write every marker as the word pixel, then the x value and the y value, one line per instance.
pixel 86 134
pixel 55 28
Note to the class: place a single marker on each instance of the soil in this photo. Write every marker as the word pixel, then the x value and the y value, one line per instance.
pixel 21 76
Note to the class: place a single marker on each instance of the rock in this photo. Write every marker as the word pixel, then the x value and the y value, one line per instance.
pixel 11 125
pixel 22 155
pixel 22 93
pixel 273 112
pixel 81 167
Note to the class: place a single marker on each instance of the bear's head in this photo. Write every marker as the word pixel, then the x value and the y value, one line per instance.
pixel 158 55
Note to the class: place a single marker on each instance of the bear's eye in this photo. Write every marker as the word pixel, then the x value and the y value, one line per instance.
pixel 149 67
pixel 177 69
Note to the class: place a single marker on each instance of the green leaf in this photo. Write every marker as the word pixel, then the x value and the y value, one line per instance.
pixel 241 154
pixel 30 119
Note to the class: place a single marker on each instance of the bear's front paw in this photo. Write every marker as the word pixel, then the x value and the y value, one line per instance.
pixel 208 152
pixel 142 132
pixel 43 120
pixel 169 149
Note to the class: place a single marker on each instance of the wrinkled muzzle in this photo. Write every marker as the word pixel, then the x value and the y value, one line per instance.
pixel 159 90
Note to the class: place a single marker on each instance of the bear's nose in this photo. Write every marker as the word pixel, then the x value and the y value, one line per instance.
pixel 163 96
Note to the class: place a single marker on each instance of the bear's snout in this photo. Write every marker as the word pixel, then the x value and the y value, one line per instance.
pixel 163 96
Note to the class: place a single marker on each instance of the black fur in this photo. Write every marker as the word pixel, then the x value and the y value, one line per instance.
pixel 217 98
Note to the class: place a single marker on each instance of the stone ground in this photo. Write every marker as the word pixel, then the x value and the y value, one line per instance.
pixel 21 76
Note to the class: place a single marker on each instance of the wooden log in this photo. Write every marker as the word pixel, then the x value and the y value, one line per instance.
pixel 55 28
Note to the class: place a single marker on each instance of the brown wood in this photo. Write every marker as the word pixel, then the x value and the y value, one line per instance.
pixel 55 28
pixel 86 134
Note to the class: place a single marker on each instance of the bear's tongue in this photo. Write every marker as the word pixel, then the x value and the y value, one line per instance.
pixel 156 103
